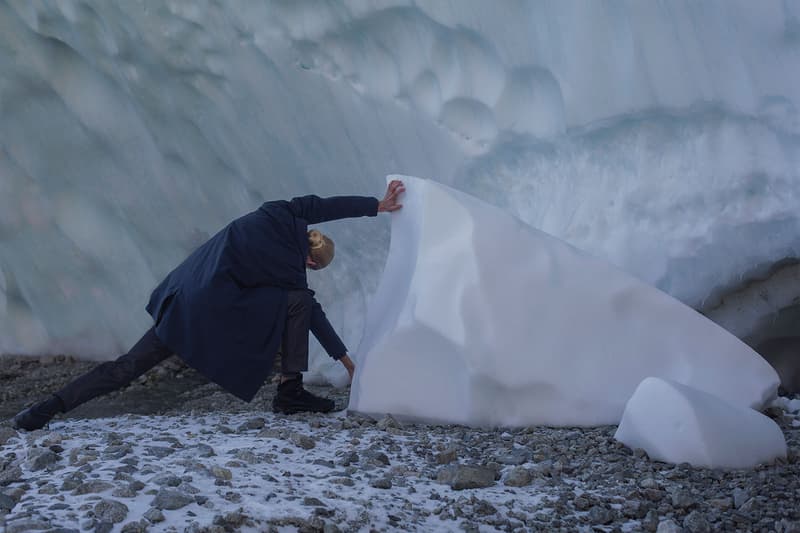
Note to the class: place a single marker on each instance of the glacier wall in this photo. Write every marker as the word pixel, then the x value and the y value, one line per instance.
pixel 663 137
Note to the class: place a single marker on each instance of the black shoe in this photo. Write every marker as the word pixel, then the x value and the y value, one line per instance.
pixel 39 414
pixel 293 398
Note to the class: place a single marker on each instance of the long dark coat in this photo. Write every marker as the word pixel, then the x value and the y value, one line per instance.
pixel 223 309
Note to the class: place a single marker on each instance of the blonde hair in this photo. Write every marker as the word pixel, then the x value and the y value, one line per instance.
pixel 320 248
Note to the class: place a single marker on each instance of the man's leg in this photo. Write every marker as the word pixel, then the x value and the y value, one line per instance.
pixel 291 396
pixel 104 378
pixel 294 343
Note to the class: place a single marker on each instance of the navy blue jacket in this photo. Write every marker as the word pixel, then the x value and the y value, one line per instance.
pixel 223 309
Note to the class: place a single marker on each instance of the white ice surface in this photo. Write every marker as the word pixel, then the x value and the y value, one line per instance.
pixel 480 319
pixel 662 137
pixel 679 424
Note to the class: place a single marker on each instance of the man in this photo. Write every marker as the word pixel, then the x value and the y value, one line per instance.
pixel 232 304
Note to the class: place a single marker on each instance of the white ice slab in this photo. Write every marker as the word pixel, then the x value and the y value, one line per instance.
pixel 480 319
pixel 676 424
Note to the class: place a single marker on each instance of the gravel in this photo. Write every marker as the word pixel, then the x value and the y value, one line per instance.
pixel 209 462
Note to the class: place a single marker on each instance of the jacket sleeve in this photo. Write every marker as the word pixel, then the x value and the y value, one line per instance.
pixel 314 209
pixel 325 333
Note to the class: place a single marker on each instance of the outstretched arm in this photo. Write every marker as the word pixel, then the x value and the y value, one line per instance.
pixel 314 209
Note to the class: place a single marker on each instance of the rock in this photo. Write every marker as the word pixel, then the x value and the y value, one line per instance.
pixel 171 499
pixel 682 499
pixel 696 523
pixel 202 450
pixel 139 526
pixel 582 503
pixel 466 477
pixel 7 433
pixel 303 441
pixel 40 458
pixel 154 515
pixel 110 511
pixel 669 526
pixel 600 515
pixel 247 456
pixel 517 456
pixel 167 479
pixel 6 502
pixel 749 506
pixel 388 421
pixel 221 473
pixel 785 526
pixel 649 483
pixel 26 525
pixel 159 451
pixel 92 487
pixel 739 497
pixel 103 527
pixel 252 424
pixel 72 481
pixel 723 504
pixel 450 455
pixel 518 477
pixel 381 483
pixel 349 458
pixel 377 457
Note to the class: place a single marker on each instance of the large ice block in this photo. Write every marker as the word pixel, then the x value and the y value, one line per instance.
pixel 480 319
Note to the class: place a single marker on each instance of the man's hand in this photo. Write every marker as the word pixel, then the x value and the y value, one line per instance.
pixel 349 365
pixel 393 191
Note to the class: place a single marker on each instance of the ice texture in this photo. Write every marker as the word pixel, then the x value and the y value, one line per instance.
pixel 676 423
pixel 662 137
pixel 482 320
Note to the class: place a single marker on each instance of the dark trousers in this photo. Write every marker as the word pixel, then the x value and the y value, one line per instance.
pixel 112 375
pixel 294 343
pixel 150 351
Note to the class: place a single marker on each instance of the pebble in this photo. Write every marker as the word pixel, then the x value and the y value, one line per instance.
pixel 154 515
pixel 669 526
pixel 171 499
pixel 110 511
pixel 518 477
pixel 303 441
pixel 695 522
pixel 381 483
pixel 41 458
pixel 461 477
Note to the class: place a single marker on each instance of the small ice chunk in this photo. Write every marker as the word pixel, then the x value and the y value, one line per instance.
pixel 676 424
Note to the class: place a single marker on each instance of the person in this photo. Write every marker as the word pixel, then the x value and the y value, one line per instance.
pixel 230 306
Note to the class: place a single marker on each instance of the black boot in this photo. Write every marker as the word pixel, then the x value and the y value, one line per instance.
pixel 293 398
pixel 39 414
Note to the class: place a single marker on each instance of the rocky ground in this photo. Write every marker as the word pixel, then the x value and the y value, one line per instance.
pixel 175 453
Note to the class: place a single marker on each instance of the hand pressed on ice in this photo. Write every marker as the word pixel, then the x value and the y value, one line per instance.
pixel 390 201
pixel 349 365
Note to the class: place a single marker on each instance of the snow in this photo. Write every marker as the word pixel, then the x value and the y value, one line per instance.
pixel 675 423
pixel 662 138
pixel 270 474
pixel 480 319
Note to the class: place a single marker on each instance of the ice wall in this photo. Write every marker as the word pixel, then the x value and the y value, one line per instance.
pixel 661 136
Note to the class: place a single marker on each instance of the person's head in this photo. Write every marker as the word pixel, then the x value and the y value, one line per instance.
pixel 320 250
